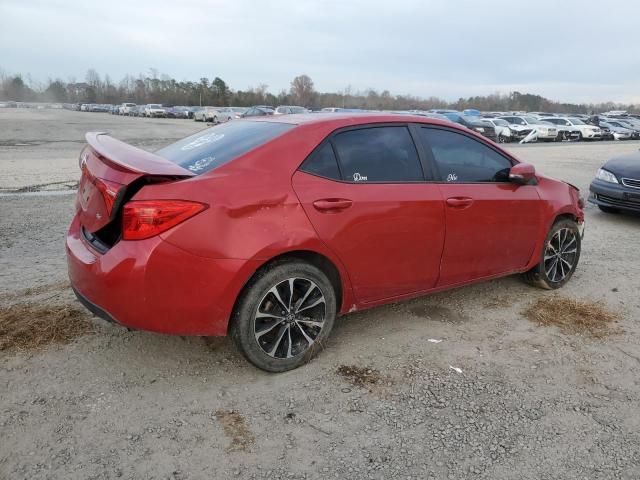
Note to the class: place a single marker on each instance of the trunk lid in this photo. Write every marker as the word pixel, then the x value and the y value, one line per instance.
pixel 112 171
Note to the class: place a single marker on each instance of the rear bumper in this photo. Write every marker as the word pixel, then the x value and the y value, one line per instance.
pixel 614 196
pixel 153 285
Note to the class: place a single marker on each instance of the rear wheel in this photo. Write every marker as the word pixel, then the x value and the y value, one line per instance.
pixel 284 316
pixel 559 257
pixel 608 209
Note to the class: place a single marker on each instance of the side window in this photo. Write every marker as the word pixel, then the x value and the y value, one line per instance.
pixel 461 159
pixel 378 154
pixel 323 163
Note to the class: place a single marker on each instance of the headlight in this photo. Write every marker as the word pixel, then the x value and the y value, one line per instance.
pixel 606 176
pixel 479 129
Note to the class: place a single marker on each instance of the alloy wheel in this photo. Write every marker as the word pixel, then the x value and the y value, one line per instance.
pixel 560 254
pixel 289 318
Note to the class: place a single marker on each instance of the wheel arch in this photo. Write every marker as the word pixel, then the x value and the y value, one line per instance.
pixel 340 284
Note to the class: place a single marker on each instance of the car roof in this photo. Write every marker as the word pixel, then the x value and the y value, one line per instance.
pixel 346 119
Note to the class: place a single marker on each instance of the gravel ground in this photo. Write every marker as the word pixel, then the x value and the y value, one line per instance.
pixel 382 401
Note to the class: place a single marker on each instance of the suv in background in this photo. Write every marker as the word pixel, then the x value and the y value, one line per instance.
pixel 126 108
pixel 154 110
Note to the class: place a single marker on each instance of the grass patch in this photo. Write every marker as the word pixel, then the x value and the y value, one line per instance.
pixel 25 326
pixel 573 316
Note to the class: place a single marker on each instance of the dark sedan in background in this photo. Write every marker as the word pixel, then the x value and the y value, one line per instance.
pixel 476 124
pixel 617 185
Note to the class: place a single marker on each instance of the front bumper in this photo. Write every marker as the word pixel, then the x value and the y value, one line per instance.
pixel 590 134
pixel 614 196
pixel 153 285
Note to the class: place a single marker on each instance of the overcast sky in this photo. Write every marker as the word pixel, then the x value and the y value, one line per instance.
pixel 579 51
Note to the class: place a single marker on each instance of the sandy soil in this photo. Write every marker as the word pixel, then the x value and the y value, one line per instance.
pixel 531 402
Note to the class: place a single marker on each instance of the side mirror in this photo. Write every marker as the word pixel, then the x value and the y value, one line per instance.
pixel 522 174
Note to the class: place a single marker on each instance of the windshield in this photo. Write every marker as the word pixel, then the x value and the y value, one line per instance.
pixel 577 121
pixel 215 146
pixel 154 105
pixel 500 122
pixel 530 120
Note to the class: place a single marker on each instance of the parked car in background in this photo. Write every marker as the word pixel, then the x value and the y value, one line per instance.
pixel 630 123
pixel 566 131
pixel 238 111
pixel 617 185
pixel 523 125
pixel 587 132
pixel 225 114
pixel 258 112
pixel 194 245
pixel 502 129
pixel 285 110
pixel 618 131
pixel 154 110
pixel 476 124
pixel 126 108
pixel 178 112
pixel 206 114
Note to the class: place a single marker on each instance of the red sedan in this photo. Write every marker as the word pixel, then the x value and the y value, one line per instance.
pixel 269 228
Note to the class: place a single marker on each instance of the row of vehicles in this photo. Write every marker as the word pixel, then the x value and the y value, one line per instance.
pixel 526 127
pixel 198 113
pixel 501 127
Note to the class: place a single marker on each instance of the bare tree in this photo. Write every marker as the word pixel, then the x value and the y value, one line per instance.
pixel 302 90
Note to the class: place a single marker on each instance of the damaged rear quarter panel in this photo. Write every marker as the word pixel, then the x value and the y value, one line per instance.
pixel 257 215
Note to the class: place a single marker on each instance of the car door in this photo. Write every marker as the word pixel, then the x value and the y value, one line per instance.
pixel 492 224
pixel 365 193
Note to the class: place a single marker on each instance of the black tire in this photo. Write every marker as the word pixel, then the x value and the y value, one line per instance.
pixel 608 209
pixel 543 274
pixel 257 295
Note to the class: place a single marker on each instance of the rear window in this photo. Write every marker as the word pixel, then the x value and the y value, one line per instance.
pixel 215 146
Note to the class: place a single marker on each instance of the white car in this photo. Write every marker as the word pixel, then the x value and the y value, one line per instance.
pixel 154 110
pixel 126 108
pixel 207 114
pixel 502 128
pixel 566 131
pixel 523 125
pixel 224 114
pixel 587 132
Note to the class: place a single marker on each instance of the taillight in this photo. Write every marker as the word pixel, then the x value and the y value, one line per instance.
pixel 109 191
pixel 146 218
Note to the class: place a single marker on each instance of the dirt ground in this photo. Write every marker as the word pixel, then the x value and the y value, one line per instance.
pixel 455 385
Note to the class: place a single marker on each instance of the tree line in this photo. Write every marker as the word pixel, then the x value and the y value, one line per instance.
pixel 160 88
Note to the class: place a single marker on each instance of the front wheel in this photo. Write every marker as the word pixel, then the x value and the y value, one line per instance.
pixel 284 316
pixel 559 257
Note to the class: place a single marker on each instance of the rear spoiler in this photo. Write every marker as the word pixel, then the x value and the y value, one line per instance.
pixel 133 158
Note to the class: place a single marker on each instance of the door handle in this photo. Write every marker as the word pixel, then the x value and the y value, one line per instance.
pixel 332 205
pixel 459 202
